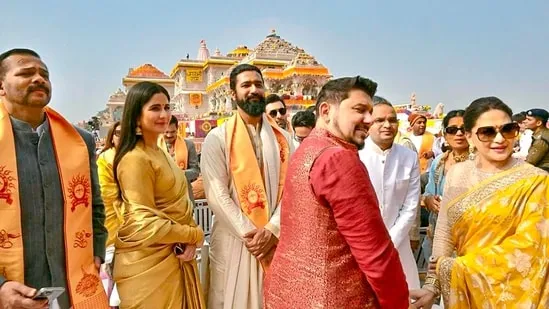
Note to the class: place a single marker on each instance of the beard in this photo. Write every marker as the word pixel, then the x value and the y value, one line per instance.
pixel 252 108
pixel 282 123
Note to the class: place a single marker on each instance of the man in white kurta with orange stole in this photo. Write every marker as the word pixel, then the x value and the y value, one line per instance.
pixel 244 164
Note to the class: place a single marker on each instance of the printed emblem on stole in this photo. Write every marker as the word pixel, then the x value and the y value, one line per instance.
pixel 79 191
pixel 253 197
pixel 80 241
pixel 5 242
pixel 87 286
pixel 7 183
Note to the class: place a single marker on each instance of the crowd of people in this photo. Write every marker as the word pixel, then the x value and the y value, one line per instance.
pixel 322 210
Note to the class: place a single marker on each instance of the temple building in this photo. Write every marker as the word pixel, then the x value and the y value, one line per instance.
pixel 199 88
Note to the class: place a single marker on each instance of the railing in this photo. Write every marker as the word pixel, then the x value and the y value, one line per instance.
pixel 204 218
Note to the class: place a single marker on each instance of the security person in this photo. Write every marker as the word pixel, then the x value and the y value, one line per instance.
pixel 538 155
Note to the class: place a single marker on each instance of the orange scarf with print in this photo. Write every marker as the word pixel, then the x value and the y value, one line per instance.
pixel 246 172
pixel 72 156
pixel 179 151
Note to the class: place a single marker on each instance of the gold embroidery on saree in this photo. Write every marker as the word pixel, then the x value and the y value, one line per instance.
pixel 457 209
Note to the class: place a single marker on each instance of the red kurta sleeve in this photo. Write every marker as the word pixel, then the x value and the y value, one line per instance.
pixel 339 178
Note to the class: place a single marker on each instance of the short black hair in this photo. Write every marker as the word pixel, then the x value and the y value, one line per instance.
pixel 304 119
pixel 271 98
pixel 11 52
pixel 173 120
pixel 239 69
pixel 337 90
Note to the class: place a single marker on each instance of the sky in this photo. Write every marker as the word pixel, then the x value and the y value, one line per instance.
pixel 445 51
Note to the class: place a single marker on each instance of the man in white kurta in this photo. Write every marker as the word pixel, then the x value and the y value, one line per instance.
pixel 394 172
pixel 236 274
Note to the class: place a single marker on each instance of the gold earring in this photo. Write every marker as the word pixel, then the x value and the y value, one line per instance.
pixel 138 131
pixel 472 152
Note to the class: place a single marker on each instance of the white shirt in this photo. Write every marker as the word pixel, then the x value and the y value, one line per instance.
pixel 525 142
pixel 394 174
pixel 417 140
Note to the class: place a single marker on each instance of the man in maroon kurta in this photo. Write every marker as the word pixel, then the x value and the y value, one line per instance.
pixel 334 250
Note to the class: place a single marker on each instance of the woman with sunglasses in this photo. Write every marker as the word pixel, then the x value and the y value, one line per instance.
pixel 491 243
pixel 457 151
pixel 113 205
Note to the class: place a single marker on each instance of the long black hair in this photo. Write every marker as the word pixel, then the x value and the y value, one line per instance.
pixel 137 97
pixel 110 135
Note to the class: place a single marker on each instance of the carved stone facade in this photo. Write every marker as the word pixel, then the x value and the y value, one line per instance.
pixel 199 88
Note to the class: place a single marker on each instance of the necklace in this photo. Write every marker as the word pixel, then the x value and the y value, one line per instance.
pixel 459 158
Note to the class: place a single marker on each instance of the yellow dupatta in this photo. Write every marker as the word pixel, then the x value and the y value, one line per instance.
pixel 72 157
pixel 426 145
pixel 114 210
pixel 246 173
pixel 500 229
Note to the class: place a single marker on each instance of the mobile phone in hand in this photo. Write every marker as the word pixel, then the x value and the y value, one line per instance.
pixel 50 293
pixel 179 249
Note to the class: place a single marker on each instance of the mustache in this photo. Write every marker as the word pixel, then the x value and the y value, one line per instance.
pixel 38 87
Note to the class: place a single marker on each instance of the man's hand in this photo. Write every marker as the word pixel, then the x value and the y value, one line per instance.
pixel 14 295
pixel 97 262
pixel 432 202
pixel 189 254
pixel 414 244
pixel 428 155
pixel 422 298
pixel 260 242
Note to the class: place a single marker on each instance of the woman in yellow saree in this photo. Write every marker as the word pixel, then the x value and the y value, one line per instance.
pixel 109 187
pixel 113 207
pixel 491 245
pixel 155 263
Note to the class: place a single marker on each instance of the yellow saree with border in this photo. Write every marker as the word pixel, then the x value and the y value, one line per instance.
pixel 109 192
pixel 158 215
pixel 499 229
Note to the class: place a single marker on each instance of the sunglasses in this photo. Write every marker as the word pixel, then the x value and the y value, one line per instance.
pixel 453 130
pixel 508 131
pixel 117 133
pixel 273 113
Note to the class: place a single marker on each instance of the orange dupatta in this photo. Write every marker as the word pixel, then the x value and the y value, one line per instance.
pixel 181 151
pixel 84 285
pixel 245 170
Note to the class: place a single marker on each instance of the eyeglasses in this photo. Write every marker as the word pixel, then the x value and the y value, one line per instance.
pixel 273 113
pixel 453 130
pixel 117 133
pixel 508 131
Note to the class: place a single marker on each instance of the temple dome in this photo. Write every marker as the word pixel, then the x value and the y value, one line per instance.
pixel 203 52
pixel 146 70
pixel 274 44
pixel 240 51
